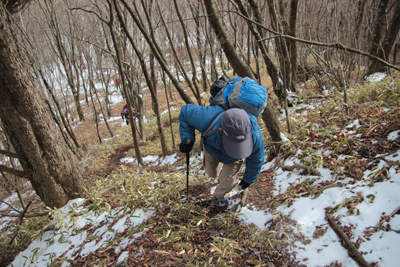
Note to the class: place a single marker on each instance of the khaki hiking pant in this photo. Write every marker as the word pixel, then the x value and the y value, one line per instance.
pixel 226 173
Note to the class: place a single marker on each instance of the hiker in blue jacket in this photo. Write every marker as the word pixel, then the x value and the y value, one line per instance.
pixel 237 137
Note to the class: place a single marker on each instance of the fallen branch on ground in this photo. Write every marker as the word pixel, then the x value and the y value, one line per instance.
pixel 352 250
pixel 379 225
pixel 244 198
pixel 279 158
pixel 324 188
pixel 300 166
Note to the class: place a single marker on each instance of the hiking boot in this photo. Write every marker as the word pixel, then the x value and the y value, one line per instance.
pixel 221 205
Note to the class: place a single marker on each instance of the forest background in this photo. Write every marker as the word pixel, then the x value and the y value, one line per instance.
pixel 54 52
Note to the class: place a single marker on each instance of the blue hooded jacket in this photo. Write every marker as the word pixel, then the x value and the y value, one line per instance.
pixel 193 117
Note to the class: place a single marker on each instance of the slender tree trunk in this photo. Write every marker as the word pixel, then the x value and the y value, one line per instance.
pixel 293 44
pixel 160 59
pixel 65 122
pixel 272 69
pixel 27 121
pixel 390 38
pixel 201 51
pixel 271 121
pixel 156 107
pixel 64 58
pixel 111 6
pixel 178 61
pixel 234 59
pixel 169 111
pixel 188 49
pixel 377 36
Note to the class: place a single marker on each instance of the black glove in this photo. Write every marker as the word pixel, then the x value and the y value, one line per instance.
pixel 243 184
pixel 186 146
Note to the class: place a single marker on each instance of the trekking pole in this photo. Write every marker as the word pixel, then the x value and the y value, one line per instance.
pixel 188 141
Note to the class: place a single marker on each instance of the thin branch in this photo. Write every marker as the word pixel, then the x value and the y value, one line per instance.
pixel 27 215
pixel 332 45
pixel 8 153
pixel 352 250
pixel 9 206
pixel 89 11
pixel 19 173
pixel 324 188
pixel 383 220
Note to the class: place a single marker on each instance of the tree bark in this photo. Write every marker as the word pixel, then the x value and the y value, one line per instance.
pixel 293 44
pixel 272 69
pixel 271 121
pixel 196 91
pixel 160 59
pixel 28 123
pixel 178 61
pixel 388 41
pixel 121 72
pixel 240 67
pixel 378 31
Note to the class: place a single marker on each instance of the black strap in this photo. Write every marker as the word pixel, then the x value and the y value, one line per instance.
pixel 209 131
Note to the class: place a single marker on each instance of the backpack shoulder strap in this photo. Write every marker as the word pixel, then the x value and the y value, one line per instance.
pixel 209 131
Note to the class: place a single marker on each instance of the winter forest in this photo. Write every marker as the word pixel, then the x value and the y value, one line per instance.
pixel 81 186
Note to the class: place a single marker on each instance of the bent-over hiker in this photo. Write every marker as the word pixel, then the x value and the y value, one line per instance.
pixel 237 137
pixel 125 113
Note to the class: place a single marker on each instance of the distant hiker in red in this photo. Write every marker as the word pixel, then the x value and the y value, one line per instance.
pixel 117 82
pixel 125 113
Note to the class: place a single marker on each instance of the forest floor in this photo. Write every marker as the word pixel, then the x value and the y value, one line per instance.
pixel 335 177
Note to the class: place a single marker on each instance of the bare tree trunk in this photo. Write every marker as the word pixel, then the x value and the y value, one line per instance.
pixel 377 36
pixel 27 121
pixel 152 84
pixel 65 59
pixel 66 139
pixel 194 78
pixel 388 40
pixel 272 69
pixel 156 106
pixel 65 122
pixel 178 61
pixel 271 121
pixel 106 81
pixel 90 70
pixel 95 117
pixel 201 51
pixel 139 112
pixel 169 111
pixel 121 72
pixel 160 59
pixel 293 44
